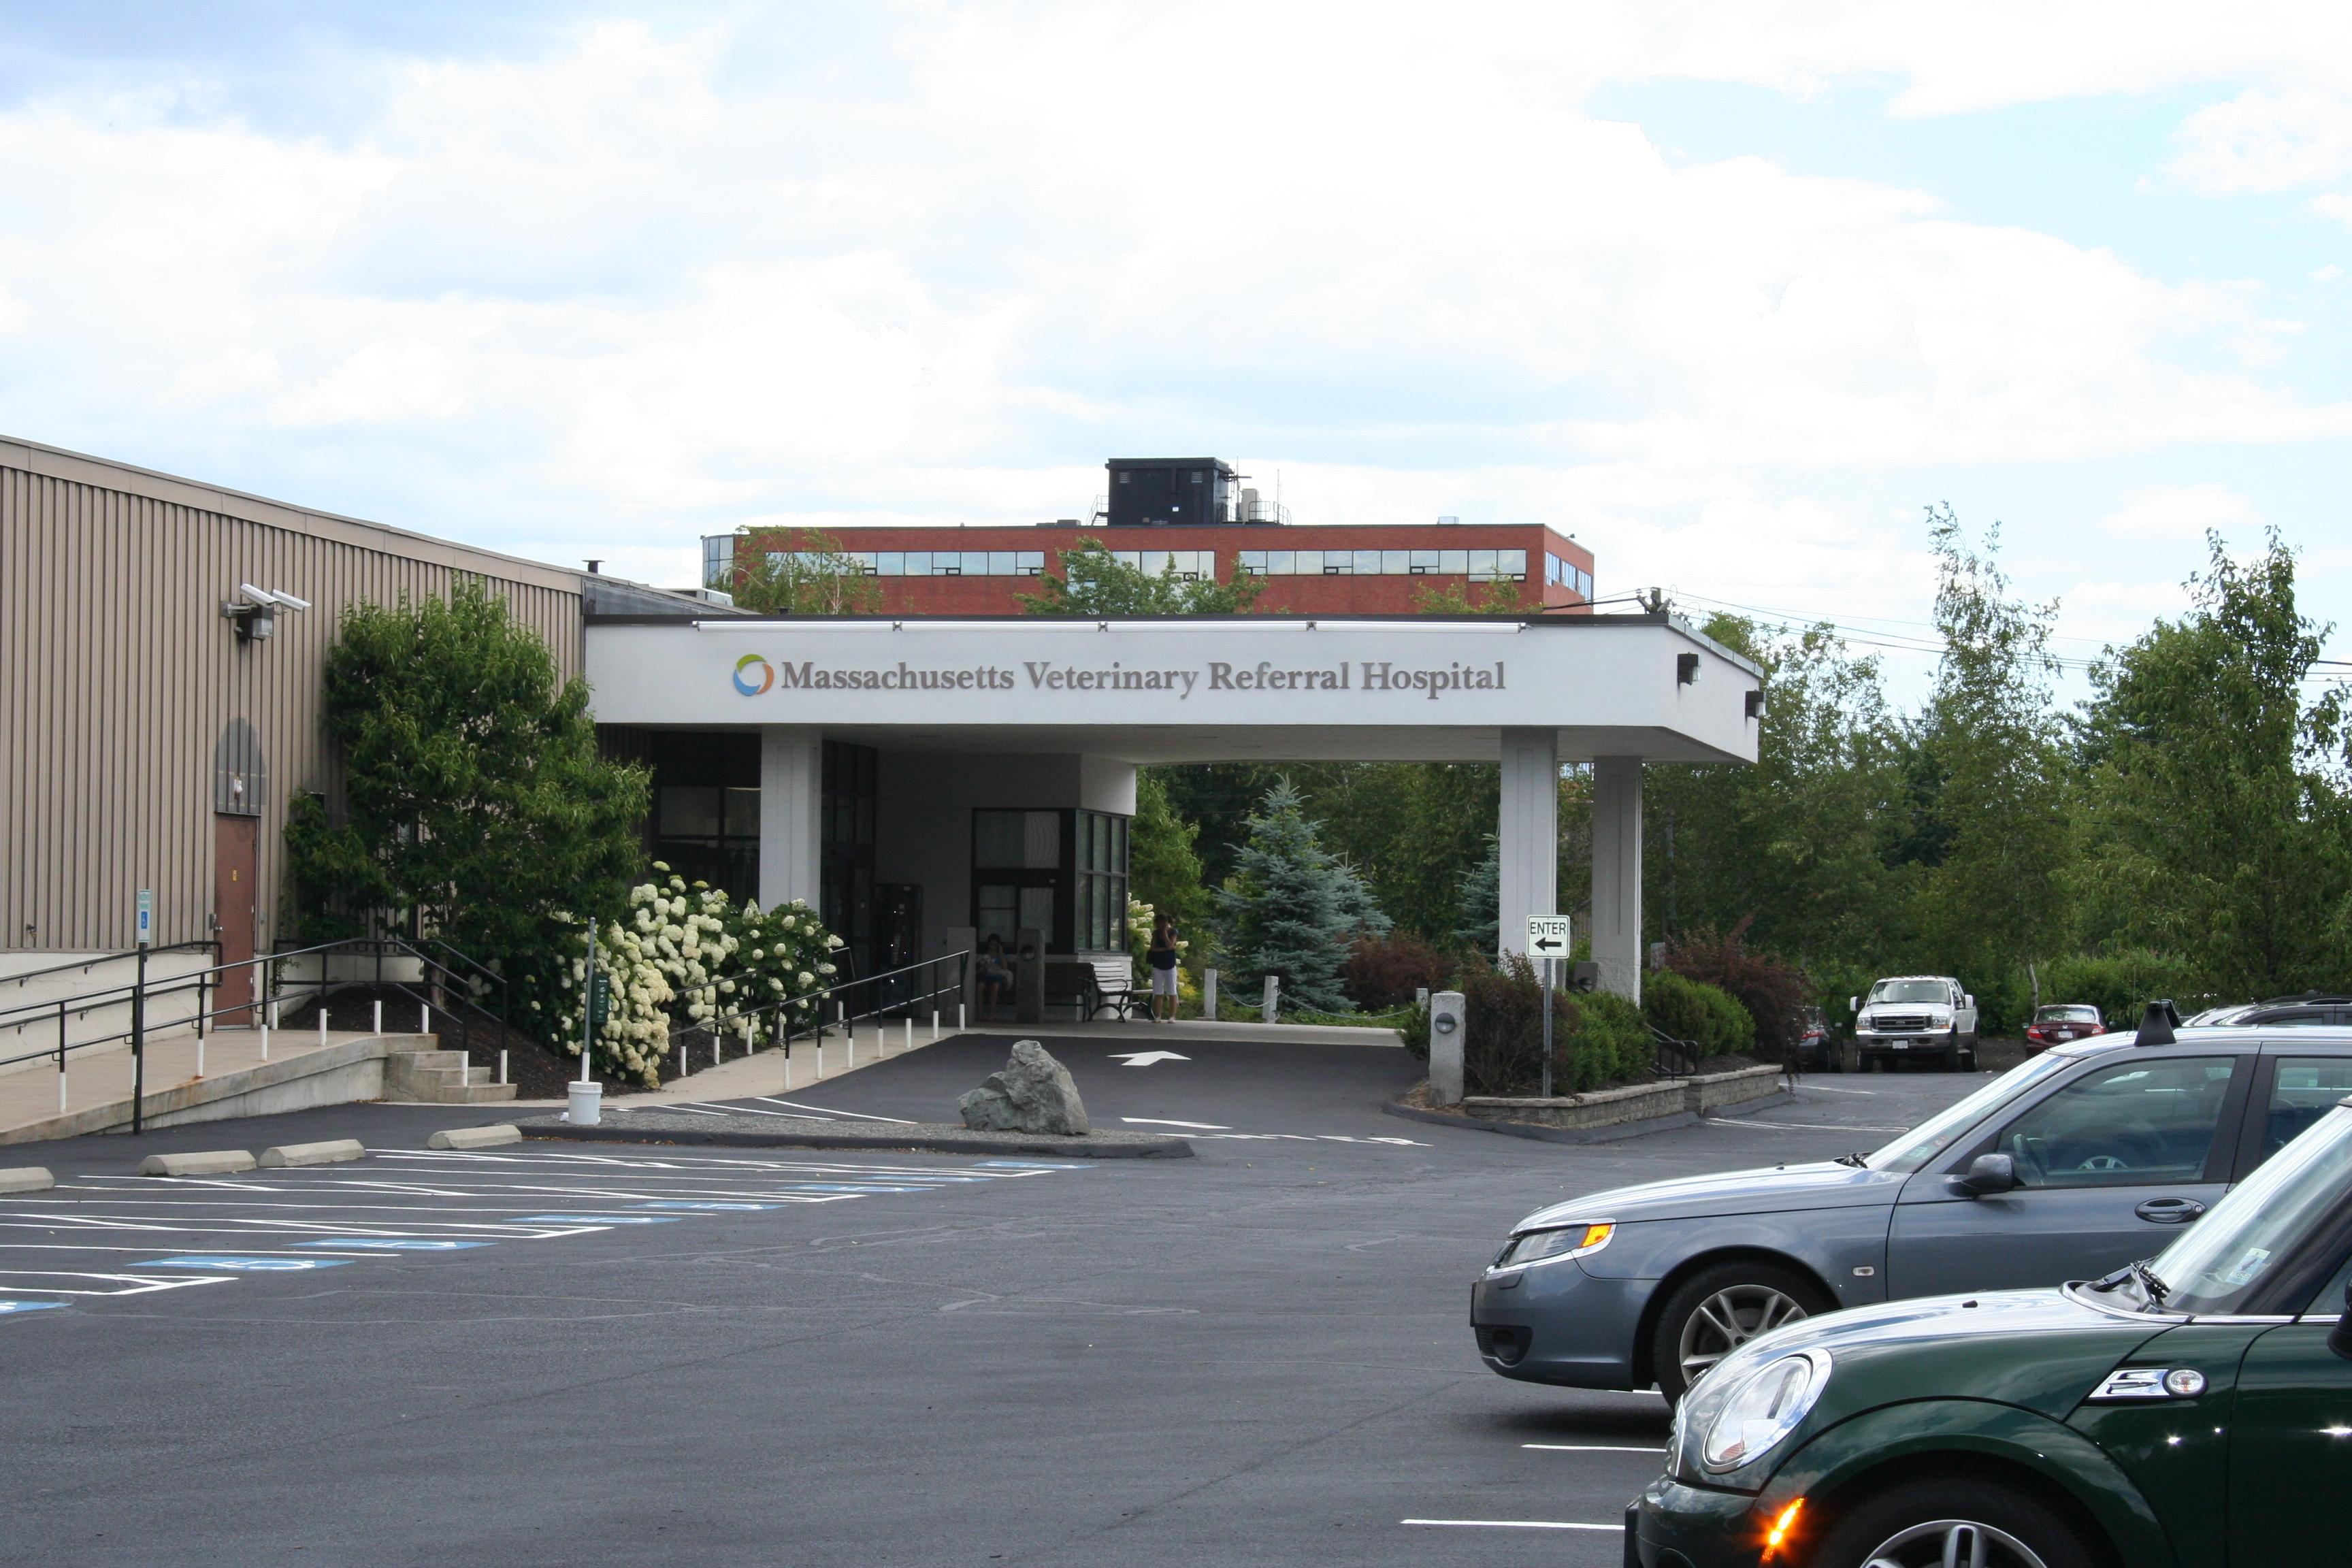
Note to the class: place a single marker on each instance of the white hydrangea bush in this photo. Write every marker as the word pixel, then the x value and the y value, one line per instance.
pixel 735 967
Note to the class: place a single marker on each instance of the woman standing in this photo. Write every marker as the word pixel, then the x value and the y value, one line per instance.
pixel 1161 957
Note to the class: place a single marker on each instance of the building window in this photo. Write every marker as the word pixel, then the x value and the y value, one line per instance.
pixel 1060 873
pixel 846 811
pixel 718 561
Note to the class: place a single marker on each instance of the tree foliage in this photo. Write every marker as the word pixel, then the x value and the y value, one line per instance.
pixel 800 575
pixel 1094 582
pixel 1163 868
pixel 477 806
pixel 1294 909
pixel 2217 818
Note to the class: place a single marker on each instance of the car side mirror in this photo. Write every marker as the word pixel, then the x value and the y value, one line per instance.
pixel 1987 1174
pixel 2339 1338
pixel 1853 1003
pixel 1967 1001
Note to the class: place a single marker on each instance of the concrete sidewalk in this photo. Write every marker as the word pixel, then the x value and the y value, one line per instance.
pixel 869 1043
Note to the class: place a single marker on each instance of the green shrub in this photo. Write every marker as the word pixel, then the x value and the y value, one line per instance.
pixel 2119 985
pixel 1707 1016
pixel 1596 1039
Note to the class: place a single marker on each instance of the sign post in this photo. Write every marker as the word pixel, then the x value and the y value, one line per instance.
pixel 1548 944
pixel 145 931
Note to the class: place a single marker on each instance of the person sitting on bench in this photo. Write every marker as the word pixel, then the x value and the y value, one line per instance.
pixel 995 976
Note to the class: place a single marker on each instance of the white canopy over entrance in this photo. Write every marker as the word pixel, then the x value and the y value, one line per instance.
pixel 1021 712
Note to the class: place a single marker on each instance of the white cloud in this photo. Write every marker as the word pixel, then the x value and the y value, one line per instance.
pixel 598 300
pixel 2179 511
pixel 2265 140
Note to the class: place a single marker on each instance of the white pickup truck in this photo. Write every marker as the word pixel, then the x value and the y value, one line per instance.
pixel 1915 1015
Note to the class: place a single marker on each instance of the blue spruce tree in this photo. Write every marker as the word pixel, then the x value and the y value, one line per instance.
pixel 1293 909
pixel 1482 902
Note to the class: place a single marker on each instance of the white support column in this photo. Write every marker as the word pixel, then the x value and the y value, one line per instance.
pixel 1617 873
pixel 1529 834
pixel 792 779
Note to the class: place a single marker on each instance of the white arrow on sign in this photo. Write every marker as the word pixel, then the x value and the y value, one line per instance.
pixel 1547 936
pixel 1145 1058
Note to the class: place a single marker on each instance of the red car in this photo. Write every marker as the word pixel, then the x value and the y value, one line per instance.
pixel 2061 1022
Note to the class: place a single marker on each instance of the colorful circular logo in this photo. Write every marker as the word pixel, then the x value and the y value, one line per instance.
pixel 751 684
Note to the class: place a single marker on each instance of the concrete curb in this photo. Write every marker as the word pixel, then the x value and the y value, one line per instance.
pixel 26 1179
pixel 207 1162
pixel 333 1153
pixel 489 1137
pixel 925 1137
pixel 1542 1134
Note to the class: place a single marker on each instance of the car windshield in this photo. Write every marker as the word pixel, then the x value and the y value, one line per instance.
pixel 1909 991
pixel 2222 1260
pixel 2067 1016
pixel 1925 1142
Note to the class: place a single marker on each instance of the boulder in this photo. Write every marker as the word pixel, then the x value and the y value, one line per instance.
pixel 1033 1093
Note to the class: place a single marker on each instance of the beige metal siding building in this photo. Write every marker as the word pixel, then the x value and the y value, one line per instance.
pixel 143 744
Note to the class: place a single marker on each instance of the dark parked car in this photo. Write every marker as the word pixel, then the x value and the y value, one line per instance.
pixel 2072 1164
pixel 2061 1022
pixel 2189 1411
pixel 1816 1052
pixel 2313 1007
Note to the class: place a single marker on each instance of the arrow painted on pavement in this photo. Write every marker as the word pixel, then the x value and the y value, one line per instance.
pixel 1145 1058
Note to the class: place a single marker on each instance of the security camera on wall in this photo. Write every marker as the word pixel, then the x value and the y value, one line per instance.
pixel 254 613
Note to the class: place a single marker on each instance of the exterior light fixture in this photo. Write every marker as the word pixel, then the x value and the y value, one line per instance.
pixel 253 612
pixel 1756 704
pixel 1685 669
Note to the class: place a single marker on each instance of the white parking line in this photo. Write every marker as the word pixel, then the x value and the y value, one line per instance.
pixel 1588 1448
pixel 844 1115
pixel 1163 1122
pixel 1800 1126
pixel 1512 1524
pixel 1825 1089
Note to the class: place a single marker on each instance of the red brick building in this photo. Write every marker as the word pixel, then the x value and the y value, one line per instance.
pixel 1340 569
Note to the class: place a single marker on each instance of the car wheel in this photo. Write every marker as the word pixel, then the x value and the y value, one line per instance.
pixel 1718 1310
pixel 1935 1523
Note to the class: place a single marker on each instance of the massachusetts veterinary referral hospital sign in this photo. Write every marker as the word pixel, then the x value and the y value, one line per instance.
pixel 757 676
pixel 1411 673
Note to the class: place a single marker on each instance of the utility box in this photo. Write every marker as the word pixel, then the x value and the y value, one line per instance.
pixel 1162 492
pixel 1448 1024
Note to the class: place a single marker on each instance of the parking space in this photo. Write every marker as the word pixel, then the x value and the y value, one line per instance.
pixel 600 1353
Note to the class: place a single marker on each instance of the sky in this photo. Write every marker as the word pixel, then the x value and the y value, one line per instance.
pixel 1730 292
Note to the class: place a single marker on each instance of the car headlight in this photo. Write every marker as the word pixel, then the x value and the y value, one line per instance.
pixel 1761 1411
pixel 1547 1246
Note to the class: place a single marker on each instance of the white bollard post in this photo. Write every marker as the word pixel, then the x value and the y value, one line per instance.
pixel 787 1066
pixel 61 1091
pixel 323 1020
pixel 200 1056
pixel 935 1023
pixel 910 1044
pixel 1272 998
pixel 423 1019
pixel 503 1066
pixel 1209 995
pixel 376 1027
pixel 960 1025
pixel 1447 1032
pixel 265 1042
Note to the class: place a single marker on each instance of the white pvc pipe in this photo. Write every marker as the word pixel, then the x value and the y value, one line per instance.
pixel 264 1038
pixel 61 1091
pixel 503 1066
pixel 423 1019
pixel 376 1027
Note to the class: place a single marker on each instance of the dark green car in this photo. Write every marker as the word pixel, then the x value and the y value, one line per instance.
pixel 2191 1412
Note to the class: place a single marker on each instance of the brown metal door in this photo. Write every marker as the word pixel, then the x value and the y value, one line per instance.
pixel 235 912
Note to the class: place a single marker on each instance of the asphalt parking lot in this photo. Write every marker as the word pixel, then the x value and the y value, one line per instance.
pixel 569 1353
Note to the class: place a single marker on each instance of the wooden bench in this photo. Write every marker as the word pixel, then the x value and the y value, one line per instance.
pixel 1071 981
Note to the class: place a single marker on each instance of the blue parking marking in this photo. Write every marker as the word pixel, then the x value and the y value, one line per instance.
pixel 389 1244
pixel 7 1307
pixel 234 1264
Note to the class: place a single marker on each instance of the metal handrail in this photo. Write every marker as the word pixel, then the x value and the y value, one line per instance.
pixel 781 1031
pixel 209 944
pixel 141 991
